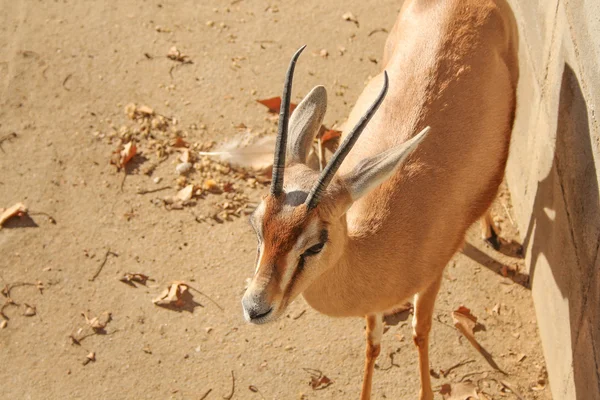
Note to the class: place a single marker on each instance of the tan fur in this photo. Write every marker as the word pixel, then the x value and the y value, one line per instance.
pixel 452 66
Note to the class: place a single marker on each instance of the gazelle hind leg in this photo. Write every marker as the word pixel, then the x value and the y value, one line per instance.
pixel 489 232
pixel 422 319
pixel 374 332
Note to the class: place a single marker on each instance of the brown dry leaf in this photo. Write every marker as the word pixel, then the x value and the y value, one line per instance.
pixel 320 382
pixel 459 391
pixel 274 104
pixel 98 323
pixel 179 142
pixel 123 154
pixel 173 296
pixel 465 322
pixel 348 16
pixel 330 134
pixel 18 210
pixel 130 278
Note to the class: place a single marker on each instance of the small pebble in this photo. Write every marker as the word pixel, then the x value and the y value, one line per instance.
pixel 183 168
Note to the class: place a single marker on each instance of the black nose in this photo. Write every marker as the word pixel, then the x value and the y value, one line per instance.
pixel 255 309
pixel 258 313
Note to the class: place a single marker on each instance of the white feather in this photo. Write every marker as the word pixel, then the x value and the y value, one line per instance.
pixel 240 151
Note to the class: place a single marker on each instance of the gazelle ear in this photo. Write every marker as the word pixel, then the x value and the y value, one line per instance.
pixel 373 171
pixel 305 123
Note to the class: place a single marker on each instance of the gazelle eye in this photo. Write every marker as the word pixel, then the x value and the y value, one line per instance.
pixel 316 249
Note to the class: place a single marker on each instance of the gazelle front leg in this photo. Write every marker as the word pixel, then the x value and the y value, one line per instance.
pixel 374 332
pixel 424 302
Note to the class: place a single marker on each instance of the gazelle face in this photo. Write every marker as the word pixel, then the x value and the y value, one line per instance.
pixel 301 226
pixel 295 245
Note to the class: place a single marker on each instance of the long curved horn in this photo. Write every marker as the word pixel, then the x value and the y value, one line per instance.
pixel 284 115
pixel 327 174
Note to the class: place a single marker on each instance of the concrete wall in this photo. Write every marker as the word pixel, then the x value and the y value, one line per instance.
pixel 553 176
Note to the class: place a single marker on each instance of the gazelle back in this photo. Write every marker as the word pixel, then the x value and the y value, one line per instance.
pixel 368 233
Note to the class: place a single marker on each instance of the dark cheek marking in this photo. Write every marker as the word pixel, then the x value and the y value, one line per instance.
pixel 324 236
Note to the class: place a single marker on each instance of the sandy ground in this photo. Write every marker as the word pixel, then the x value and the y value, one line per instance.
pixel 67 70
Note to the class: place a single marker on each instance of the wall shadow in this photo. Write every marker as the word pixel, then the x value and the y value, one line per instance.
pixel 565 230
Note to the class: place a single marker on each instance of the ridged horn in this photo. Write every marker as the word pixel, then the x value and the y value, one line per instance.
pixel 282 132
pixel 327 174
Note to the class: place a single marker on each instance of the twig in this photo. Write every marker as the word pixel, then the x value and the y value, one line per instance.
pixel 230 396
pixel 147 191
pixel 174 67
pixel 508 215
pixel 108 252
pixel 123 180
pixel 473 373
pixel 50 217
pixel 460 364
pixel 378 30
pixel 392 364
pixel 65 82
pixel 299 315
pixel 206 394
pixel 6 137
pixel 511 387
pixel 208 297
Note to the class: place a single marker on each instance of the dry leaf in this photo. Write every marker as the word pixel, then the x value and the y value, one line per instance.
pixel 465 322
pixel 459 391
pixel 98 323
pixel 348 16
pixel 18 210
pixel 179 142
pixel 274 104
pixel 320 382
pixel 330 134
pixel 173 296
pixel 130 278
pixel 123 154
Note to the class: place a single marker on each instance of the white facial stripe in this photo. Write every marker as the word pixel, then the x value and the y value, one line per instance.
pixel 260 256
pixel 257 218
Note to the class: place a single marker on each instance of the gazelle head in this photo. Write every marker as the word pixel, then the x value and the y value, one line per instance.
pixel 300 225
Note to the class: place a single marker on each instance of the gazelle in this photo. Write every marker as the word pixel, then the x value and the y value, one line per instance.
pixel 380 222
